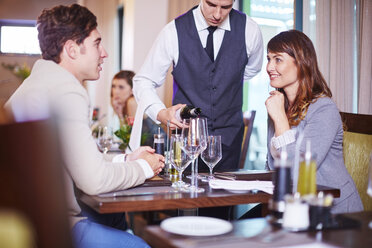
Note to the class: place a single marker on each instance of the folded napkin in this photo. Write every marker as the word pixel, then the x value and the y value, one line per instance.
pixel 265 186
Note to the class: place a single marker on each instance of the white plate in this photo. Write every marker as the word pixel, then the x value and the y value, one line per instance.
pixel 196 226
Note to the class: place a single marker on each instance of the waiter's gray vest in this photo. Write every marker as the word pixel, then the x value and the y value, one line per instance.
pixel 216 87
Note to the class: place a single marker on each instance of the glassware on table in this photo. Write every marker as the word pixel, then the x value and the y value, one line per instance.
pixel 307 173
pixel 194 141
pixel 104 140
pixel 202 177
pixel 159 147
pixel 212 154
pixel 179 159
pixel 159 142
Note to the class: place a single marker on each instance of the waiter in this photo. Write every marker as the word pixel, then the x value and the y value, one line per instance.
pixel 213 49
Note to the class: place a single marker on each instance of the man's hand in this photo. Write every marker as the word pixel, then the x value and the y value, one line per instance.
pixel 137 153
pixel 156 161
pixel 170 114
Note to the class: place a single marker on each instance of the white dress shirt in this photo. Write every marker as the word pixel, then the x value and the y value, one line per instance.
pixel 165 52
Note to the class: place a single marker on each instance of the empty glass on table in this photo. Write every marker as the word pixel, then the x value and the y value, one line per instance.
pixel 212 154
pixel 179 159
pixel 104 139
pixel 194 141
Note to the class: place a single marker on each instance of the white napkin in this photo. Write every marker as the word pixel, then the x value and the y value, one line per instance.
pixel 266 186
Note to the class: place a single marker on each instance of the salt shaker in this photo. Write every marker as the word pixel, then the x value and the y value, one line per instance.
pixel 296 214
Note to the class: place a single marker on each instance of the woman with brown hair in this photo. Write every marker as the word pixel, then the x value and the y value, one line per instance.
pixel 302 104
pixel 125 106
pixel 122 99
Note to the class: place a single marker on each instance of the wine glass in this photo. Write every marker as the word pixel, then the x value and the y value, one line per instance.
pixel 104 140
pixel 178 158
pixel 212 154
pixel 193 143
pixel 203 178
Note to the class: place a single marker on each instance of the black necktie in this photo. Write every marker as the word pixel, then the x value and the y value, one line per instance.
pixel 209 47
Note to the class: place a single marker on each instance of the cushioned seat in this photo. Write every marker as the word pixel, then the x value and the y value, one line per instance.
pixel 357 150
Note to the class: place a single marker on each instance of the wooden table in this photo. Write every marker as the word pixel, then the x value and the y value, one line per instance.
pixel 259 233
pixel 169 201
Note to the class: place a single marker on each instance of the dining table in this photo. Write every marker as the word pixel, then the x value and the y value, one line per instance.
pixel 351 230
pixel 158 194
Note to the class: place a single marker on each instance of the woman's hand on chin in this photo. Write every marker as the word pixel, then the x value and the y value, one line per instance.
pixel 275 109
pixel 275 105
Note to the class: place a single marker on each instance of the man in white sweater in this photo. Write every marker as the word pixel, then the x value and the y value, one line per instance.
pixel 72 53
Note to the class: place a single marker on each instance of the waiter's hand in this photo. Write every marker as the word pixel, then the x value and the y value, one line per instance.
pixel 170 114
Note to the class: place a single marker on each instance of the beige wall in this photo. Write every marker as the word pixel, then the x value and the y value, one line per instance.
pixel 144 20
pixel 27 9
pixel 99 91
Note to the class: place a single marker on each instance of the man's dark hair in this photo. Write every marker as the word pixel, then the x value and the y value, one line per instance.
pixel 63 23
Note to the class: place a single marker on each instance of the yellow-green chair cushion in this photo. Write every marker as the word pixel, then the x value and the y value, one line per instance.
pixel 357 150
pixel 15 230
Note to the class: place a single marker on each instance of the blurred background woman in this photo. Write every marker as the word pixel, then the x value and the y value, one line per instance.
pixel 122 99
pixel 302 104
pixel 125 106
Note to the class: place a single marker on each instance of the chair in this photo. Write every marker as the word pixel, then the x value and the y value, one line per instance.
pixel 357 149
pixel 248 118
pixel 31 186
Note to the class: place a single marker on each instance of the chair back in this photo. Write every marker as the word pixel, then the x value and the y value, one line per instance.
pixel 32 182
pixel 248 118
pixel 357 149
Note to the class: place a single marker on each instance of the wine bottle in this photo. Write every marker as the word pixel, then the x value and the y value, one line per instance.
pixel 187 112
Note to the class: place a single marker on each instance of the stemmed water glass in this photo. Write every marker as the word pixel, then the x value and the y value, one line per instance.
pixel 194 141
pixel 104 140
pixel 179 159
pixel 212 154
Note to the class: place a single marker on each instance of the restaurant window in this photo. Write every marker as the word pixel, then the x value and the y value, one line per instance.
pixel 19 37
pixel 272 16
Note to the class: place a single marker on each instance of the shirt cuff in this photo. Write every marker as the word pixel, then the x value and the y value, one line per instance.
pixel 119 158
pixel 286 138
pixel 146 168
pixel 153 110
pixel 143 163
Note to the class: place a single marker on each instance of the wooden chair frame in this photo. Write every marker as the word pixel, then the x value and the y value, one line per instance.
pixel 248 119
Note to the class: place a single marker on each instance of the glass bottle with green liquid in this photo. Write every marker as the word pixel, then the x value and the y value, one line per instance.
pixel 307 172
